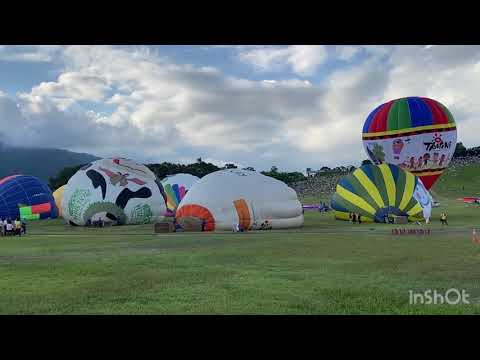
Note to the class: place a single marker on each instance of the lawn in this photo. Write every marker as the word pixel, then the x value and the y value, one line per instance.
pixel 327 267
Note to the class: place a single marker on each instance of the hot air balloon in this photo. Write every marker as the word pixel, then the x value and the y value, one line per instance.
pixel 26 197
pixel 116 190
pixel 58 195
pixel 176 187
pixel 376 191
pixel 247 198
pixel 416 133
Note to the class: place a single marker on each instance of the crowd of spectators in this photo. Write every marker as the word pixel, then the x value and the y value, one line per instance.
pixel 458 162
pixel 324 184
pixel 321 184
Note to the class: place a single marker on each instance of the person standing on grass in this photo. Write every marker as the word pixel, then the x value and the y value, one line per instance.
pixel 475 237
pixel 443 218
pixel 18 227
pixel 359 219
pixel 9 228
pixel 24 227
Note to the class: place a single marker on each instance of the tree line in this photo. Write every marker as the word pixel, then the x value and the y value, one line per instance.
pixel 199 168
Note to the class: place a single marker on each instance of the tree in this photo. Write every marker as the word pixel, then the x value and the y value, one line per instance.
pixel 199 160
pixel 366 162
pixel 63 176
pixel 249 168
pixel 230 166
pixel 198 168
pixel 325 168
pixel 274 169
pixel 460 150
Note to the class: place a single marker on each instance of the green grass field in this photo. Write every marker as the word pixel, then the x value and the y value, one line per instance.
pixel 327 267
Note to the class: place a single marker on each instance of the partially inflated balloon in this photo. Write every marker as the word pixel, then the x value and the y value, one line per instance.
pixel 416 133
pixel 26 197
pixel 176 187
pixel 116 190
pixel 375 192
pixel 247 198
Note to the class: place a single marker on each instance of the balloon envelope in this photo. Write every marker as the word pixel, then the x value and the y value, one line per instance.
pixel 114 189
pixel 26 197
pixel 176 187
pixel 376 191
pixel 58 195
pixel 247 198
pixel 416 133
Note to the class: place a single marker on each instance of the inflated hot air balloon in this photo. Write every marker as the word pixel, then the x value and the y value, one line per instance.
pixel 26 197
pixel 176 187
pixel 416 133
pixel 376 191
pixel 116 190
pixel 226 198
pixel 58 195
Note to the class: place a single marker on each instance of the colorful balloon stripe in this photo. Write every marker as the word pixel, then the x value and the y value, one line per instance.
pixel 404 113
pixel 176 187
pixel 411 131
pixel 243 213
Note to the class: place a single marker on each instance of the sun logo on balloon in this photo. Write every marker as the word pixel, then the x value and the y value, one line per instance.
pixel 437 138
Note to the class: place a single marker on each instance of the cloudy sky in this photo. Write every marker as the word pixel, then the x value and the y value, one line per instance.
pixel 289 106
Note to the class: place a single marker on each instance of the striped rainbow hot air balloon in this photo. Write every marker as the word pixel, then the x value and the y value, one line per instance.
pixel 176 186
pixel 375 191
pixel 416 133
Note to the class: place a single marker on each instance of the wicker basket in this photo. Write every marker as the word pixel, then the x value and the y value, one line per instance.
pixel 164 227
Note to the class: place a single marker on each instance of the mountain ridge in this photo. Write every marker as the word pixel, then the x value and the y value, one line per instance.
pixel 43 163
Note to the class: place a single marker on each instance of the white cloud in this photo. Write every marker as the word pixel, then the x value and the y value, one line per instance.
pixel 28 53
pixel 162 111
pixel 302 60
pixel 347 53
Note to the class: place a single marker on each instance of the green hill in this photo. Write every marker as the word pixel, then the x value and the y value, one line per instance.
pixel 457 181
pixel 39 162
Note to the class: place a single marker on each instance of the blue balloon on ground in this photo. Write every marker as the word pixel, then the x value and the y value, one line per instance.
pixel 26 197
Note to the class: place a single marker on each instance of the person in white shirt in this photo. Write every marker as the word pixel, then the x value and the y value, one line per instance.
pixel 9 228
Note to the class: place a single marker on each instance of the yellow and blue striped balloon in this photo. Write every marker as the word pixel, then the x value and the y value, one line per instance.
pixel 375 191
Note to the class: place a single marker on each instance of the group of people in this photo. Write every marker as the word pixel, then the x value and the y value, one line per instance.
pixel 323 207
pixel 95 223
pixel 354 217
pixel 265 225
pixel 13 227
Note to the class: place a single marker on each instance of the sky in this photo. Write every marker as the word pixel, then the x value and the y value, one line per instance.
pixel 291 107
